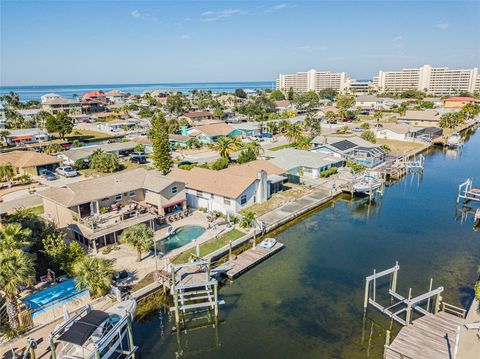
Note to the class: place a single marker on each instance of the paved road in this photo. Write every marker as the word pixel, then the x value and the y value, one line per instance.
pixel 30 200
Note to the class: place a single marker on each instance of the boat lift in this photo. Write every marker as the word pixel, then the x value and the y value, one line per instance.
pixel 416 165
pixel 467 192
pixel 192 288
pixel 403 304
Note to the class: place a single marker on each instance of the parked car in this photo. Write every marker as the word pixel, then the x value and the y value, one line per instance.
pixel 186 163
pixel 49 175
pixel 66 171
pixel 138 153
pixel 88 120
pixel 358 129
pixel 138 159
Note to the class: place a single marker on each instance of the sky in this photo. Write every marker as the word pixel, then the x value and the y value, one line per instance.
pixel 113 42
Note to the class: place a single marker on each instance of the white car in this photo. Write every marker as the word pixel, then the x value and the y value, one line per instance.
pixel 66 171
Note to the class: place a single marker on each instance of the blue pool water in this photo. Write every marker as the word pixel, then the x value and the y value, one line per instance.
pixel 180 237
pixel 65 290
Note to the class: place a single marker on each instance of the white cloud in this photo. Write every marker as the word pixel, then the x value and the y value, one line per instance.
pixel 280 7
pixel 442 25
pixel 185 37
pixel 135 13
pixel 217 15
pixel 397 42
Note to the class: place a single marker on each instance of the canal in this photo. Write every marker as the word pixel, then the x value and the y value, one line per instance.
pixel 307 301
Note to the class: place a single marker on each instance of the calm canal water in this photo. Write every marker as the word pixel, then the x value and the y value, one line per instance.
pixel 307 301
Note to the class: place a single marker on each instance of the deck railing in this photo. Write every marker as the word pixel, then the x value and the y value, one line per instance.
pixel 388 349
pixel 453 310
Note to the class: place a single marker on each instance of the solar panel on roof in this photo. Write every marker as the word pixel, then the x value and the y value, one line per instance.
pixel 343 145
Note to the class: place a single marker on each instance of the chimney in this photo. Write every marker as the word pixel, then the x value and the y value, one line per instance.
pixel 262 188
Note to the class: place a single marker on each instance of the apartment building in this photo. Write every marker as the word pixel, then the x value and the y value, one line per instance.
pixel 433 80
pixel 313 80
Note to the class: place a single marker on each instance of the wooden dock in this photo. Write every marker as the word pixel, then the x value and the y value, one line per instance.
pixel 248 259
pixel 429 337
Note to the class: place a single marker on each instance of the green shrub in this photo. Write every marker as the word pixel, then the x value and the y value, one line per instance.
pixel 246 155
pixel 187 167
pixel 355 167
pixel 328 172
pixel 365 126
pixel 220 164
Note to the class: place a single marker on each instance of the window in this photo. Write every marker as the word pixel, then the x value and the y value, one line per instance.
pixel 174 189
pixel 243 199
pixel 199 194
pixel 131 194
pixel 226 202
pixel 118 197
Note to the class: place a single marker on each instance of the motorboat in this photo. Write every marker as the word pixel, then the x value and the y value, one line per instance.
pixel 96 334
pixel 455 140
pixel 267 243
pixel 367 183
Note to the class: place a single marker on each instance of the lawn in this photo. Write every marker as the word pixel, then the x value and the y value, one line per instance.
pixel 83 135
pixel 210 246
pixel 37 210
pixel 124 166
pixel 278 148
pixel 400 147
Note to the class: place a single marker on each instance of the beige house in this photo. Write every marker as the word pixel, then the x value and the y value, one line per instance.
pixel 29 162
pixel 424 118
pixel 96 211
pixel 56 105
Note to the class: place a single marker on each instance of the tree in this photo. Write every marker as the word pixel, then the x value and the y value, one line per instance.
pixel 225 146
pixel 271 127
pixel 16 270
pixel 313 126
pixel 303 143
pixel 53 148
pixel 7 172
pixel 103 162
pixel 193 143
pixel 248 220
pixel 177 104
pixel 173 126
pixel 277 95
pixel 247 155
pixel 43 117
pixel 12 100
pixel 218 112
pixel 344 102
pixel 283 126
pixel 290 94
pixel 294 132
pixel 139 148
pixel 140 237
pixel 3 136
pixel 307 101
pixel 254 146
pixel 369 136
pixel 13 236
pixel 451 119
pixel 93 273
pixel 470 111
pixel 61 254
pixel 220 164
pixel 29 220
pixel 378 115
pixel 240 93
pixel 61 123
pixel 162 153
pixel 328 94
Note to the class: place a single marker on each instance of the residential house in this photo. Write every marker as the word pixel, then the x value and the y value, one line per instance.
pixel 352 148
pixel 227 100
pixel 30 113
pixel 426 118
pixel 48 97
pixel 303 163
pixel 60 104
pixel 249 129
pixel 117 125
pixel 197 116
pixel 428 133
pixel 395 131
pixel 232 189
pixel 458 102
pixel 211 132
pixel 26 136
pixel 93 101
pixel 282 105
pixel 116 96
pixel 83 153
pixel 95 212
pixel 368 102
pixel 29 162
pixel 178 140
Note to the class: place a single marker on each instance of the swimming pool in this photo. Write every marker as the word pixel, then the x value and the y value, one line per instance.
pixel 54 296
pixel 180 237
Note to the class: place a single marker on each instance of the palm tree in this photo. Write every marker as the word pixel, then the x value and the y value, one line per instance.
pixel 3 135
pixel 16 270
pixel 283 126
pixel 7 172
pixel 13 237
pixel 378 115
pixel 94 274
pixel 271 127
pixel 330 116
pixel 140 237
pixel 248 220
pixel 225 146
pixel 294 132
pixel 255 147
pixel 303 143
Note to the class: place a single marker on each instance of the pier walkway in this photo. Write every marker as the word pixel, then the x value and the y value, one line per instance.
pixel 428 337
pixel 248 259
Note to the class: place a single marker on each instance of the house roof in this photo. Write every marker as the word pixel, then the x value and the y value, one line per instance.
pixel 178 138
pixel 82 153
pixel 367 98
pixel 251 169
pixel 418 115
pixel 397 128
pixel 282 103
pixel 215 129
pixel 116 93
pixel 216 182
pixel 23 159
pixel 197 114
pixel 60 101
pixel 469 99
pixel 107 186
pixel 289 158
pixel 25 132
pixel 144 140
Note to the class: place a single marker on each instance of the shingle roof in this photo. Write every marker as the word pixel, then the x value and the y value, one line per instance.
pixel 250 169
pixel 23 159
pixel 85 152
pixel 425 115
pixel 289 158
pixel 197 114
pixel 215 129
pixel 217 182
pixel 107 186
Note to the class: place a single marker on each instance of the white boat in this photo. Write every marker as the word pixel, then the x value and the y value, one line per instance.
pixel 95 334
pixel 366 183
pixel 267 243
pixel 454 140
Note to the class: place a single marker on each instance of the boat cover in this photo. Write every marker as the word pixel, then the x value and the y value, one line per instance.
pixel 83 328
